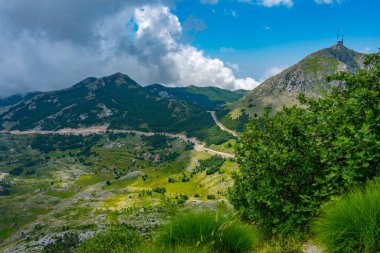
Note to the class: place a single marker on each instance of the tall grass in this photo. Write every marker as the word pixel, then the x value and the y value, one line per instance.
pixel 151 248
pixel 352 224
pixel 283 244
pixel 199 229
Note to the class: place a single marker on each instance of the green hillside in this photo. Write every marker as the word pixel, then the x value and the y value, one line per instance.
pixel 207 97
pixel 116 100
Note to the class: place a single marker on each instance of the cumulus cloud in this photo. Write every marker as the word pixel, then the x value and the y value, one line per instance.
pixel 194 24
pixel 47 45
pixel 181 63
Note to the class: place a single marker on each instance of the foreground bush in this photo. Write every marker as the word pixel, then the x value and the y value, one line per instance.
pixel 199 229
pixel 294 162
pixel 352 224
pixel 116 239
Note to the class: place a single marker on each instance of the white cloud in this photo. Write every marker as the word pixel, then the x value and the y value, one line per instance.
pixel 328 1
pixel 272 72
pixel 233 66
pixel 183 64
pixel 144 42
pixel 271 3
pixel 212 2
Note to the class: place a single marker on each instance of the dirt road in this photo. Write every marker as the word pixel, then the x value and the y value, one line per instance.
pixel 221 125
pixel 198 145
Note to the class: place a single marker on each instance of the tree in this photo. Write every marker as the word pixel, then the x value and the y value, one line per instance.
pixel 293 162
pixel 5 184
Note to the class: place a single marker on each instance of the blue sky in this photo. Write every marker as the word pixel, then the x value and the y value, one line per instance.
pixel 232 44
pixel 259 37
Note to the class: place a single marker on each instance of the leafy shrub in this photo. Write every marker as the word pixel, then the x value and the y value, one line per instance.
pixel 16 171
pixel 114 240
pixel 161 190
pixel 199 229
pixel 182 200
pixel 5 186
pixel 295 161
pixel 211 171
pixel 171 180
pixel 157 141
pixel 211 164
pixel 211 196
pixel 185 178
pixel 67 243
pixel 352 223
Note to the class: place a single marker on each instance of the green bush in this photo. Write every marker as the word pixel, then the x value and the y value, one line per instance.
pixel 211 196
pixel 351 224
pixel 161 190
pixel 199 229
pixel 294 162
pixel 116 239
pixel 67 243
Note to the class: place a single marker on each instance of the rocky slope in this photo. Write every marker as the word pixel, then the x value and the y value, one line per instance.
pixel 308 77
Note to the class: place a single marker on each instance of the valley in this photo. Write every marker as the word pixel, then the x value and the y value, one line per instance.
pixel 112 182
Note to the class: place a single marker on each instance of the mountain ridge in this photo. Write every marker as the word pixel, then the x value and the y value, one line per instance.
pixel 116 100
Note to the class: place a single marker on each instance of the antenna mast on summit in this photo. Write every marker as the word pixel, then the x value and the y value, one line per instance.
pixel 337 35
pixel 339 42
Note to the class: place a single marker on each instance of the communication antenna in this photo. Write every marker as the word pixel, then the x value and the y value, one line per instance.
pixel 338 41
pixel 337 35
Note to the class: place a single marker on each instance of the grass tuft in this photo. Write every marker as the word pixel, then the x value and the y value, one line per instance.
pixel 200 229
pixel 352 223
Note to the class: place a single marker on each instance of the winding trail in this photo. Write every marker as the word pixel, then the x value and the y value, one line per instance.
pixel 221 126
pixel 198 145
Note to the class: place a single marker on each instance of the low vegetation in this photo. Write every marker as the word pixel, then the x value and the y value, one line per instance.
pixel 351 224
pixel 219 231
pixel 115 239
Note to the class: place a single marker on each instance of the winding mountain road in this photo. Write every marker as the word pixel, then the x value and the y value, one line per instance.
pixel 198 145
pixel 221 126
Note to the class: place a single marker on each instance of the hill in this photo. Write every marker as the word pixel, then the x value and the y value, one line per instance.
pixel 14 99
pixel 307 77
pixel 207 97
pixel 116 100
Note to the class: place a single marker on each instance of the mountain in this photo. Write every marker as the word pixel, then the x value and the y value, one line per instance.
pixel 207 97
pixel 14 99
pixel 116 100
pixel 308 77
